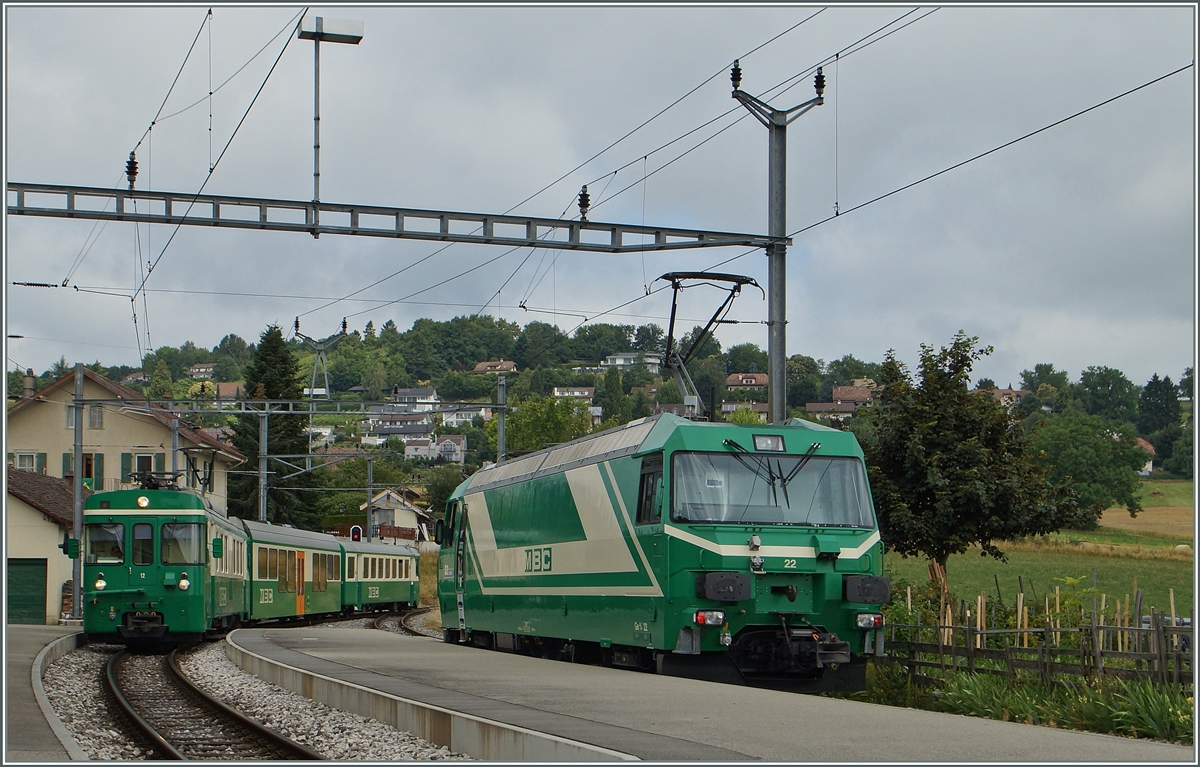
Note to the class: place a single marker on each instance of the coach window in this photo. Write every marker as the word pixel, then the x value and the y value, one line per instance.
pixel 262 564
pixel 291 571
pixel 105 544
pixel 652 472
pixel 143 544
pixel 350 568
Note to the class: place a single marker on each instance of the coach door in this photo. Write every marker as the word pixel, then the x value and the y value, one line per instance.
pixel 299 576
pixel 460 565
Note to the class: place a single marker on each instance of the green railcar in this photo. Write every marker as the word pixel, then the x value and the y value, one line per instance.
pixel 746 554
pixel 149 571
pixel 379 576
pixel 295 572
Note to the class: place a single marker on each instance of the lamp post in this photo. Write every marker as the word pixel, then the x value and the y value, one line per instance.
pixel 776 121
pixel 327 31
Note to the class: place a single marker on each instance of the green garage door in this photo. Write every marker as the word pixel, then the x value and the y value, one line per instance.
pixel 27 591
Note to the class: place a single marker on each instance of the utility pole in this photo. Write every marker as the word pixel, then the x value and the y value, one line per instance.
pixel 328 31
pixel 370 495
pixel 262 463
pixel 77 563
pixel 502 401
pixel 776 121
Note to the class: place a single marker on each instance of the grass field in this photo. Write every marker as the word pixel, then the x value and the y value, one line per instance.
pixel 1167 492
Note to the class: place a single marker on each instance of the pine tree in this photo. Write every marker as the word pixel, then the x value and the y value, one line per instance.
pixel 160 381
pixel 273 374
pixel 1158 405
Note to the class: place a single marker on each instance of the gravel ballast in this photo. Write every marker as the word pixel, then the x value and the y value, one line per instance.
pixel 75 687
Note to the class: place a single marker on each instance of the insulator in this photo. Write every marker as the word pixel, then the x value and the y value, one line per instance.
pixel 343 324
pixel 131 168
pixel 296 324
pixel 585 202
pixel 819 82
pixel 735 75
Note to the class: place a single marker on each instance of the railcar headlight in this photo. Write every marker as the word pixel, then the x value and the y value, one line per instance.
pixel 867 621
pixel 184 583
pixel 100 584
pixel 710 617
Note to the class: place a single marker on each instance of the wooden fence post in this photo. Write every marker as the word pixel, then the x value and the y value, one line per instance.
pixel 1046 652
pixel 1098 653
pixel 1008 659
pixel 970 647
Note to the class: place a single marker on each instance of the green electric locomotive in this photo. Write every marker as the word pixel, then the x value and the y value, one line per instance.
pixel 746 554
pixel 163 565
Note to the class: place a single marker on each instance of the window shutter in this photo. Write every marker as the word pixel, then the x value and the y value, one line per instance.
pixel 12 460
pixel 40 463
pixel 126 466
pixel 98 470
pixel 160 461
pixel 68 459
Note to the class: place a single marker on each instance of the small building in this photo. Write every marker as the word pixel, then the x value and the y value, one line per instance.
pixel 575 392
pixel 418 448
pixel 649 390
pixel 394 508
pixel 597 414
pixel 499 366
pixel 728 408
pixel 405 432
pixel 39 511
pixel 231 390
pixel 859 395
pixel 450 448
pixel 673 409
pixel 1149 448
pixel 137 376
pixel 465 415
pixel 824 411
pixel 201 371
pixel 625 360
pixel 746 380
pixel 419 400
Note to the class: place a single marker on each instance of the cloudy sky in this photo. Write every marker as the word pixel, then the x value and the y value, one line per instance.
pixel 1075 246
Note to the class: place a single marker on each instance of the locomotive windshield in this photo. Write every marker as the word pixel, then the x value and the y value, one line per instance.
pixel 752 488
pixel 104 544
pixel 183 543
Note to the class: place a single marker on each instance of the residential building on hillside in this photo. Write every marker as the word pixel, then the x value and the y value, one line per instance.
pixel 117 439
pixel 137 376
pixel 395 508
pixel 859 395
pixel 230 390
pixel 418 448
pixel 649 390
pixel 499 366
pixel 465 415
pixel 201 371
pixel 418 400
pixel 575 392
pixel 451 448
pixel 826 410
pixel 728 408
pixel 39 510
pixel 625 360
pixel 746 380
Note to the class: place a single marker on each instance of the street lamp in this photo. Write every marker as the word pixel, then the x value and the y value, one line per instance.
pixel 327 31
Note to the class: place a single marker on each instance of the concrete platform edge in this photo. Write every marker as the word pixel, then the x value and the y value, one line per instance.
pixel 475 736
pixel 50 653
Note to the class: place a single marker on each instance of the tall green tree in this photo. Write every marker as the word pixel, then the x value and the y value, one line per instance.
pixel 1158 405
pixel 745 358
pixel 950 468
pixel 1106 392
pixel 540 344
pixel 1044 373
pixel 160 381
pixel 273 374
pixel 541 421
pixel 1098 458
pixel 612 399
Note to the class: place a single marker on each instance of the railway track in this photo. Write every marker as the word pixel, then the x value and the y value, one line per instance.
pixel 408 623
pixel 182 722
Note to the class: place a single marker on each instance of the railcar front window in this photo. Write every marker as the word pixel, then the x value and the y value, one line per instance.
pixel 182 543
pixel 105 544
pixel 751 488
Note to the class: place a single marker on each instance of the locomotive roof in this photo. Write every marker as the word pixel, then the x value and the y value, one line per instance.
pixel 365 547
pixel 160 500
pixel 634 437
pixel 289 536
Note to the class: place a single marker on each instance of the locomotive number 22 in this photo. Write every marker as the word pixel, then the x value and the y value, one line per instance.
pixel 537 560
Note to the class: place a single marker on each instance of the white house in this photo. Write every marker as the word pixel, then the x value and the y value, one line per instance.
pixel 465 415
pixel 418 448
pixel 625 360
pixel 452 448
pixel 575 392
pixel 418 400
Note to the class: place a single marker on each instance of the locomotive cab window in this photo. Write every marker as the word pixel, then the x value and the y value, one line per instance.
pixel 652 473
pixel 777 489
pixel 183 543
pixel 104 544
pixel 143 544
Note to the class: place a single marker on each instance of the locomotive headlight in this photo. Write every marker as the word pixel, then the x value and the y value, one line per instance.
pixel 710 617
pixel 100 584
pixel 866 621
pixel 184 583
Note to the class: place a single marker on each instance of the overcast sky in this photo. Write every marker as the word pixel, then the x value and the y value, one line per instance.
pixel 1075 246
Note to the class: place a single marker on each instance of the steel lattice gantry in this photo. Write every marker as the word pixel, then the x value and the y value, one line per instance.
pixel 95 203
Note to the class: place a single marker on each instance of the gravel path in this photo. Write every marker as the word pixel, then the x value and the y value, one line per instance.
pixel 75 686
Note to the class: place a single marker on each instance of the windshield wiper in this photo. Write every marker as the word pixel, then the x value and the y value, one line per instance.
pixel 804 459
pixel 771 476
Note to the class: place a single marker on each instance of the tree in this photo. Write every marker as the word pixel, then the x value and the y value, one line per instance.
pixel 612 398
pixel 1180 461
pixel 442 482
pixel 745 358
pixel 649 338
pixel 540 344
pixel 274 374
pixel 1186 385
pixel 843 372
pixel 1044 373
pixel 160 381
pixel 536 423
pixel 744 415
pixel 950 468
pixel 1100 460
pixel 596 341
pixel 985 383
pixel 1106 392
pixel 710 347
pixel 1158 405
